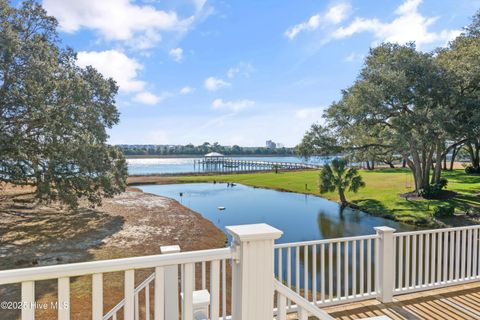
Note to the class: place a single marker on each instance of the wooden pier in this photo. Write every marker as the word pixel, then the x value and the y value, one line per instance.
pixel 222 164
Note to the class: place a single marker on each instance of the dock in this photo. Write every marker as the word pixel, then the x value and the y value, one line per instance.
pixel 222 164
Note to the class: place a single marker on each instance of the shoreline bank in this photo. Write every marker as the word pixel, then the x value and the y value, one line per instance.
pixel 131 224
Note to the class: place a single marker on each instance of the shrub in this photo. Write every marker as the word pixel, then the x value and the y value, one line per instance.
pixel 472 170
pixel 434 190
pixel 443 211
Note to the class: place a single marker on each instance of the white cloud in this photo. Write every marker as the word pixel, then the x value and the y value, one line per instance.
pixel 312 114
pixel 353 57
pixel 146 97
pixel 234 106
pixel 334 15
pixel 338 13
pixel 116 65
pixel 409 25
pixel 186 90
pixel 120 20
pixel 176 54
pixel 242 68
pixel 213 84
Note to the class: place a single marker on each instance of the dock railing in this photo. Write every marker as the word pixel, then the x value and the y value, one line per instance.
pixel 255 278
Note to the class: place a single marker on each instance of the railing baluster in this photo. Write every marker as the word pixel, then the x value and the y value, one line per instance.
pixel 302 314
pixel 281 307
pixel 129 288
pixel 414 260
pixel 279 264
pixel 64 298
pixel 289 271
pixel 28 297
pixel 464 249
pixel 427 259
pixel 369 266
pixel 452 252
pixel 214 289
pixel 345 270
pixel 224 289
pixel 420 260
pixel 305 272
pixel 354 268
pixel 445 256
pixel 314 274
pixel 204 275
pixel 400 262
pixel 339 274
pixel 475 253
pixel 407 262
pixel 322 271
pixel 362 267
pixel 187 306
pixel 137 307
pixel 147 302
pixel 469 254
pixel 439 256
pixel 457 255
pixel 330 271
pixel 97 296
pixel 159 302
pixel 433 257
pixel 297 269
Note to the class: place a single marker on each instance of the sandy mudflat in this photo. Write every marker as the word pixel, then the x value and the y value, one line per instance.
pixel 131 224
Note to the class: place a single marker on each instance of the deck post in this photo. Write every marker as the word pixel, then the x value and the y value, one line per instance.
pixel 386 267
pixel 171 285
pixel 253 270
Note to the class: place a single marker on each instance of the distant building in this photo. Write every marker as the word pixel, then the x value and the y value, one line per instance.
pixel 270 144
pixel 280 145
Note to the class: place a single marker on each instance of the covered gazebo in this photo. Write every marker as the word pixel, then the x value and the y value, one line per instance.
pixel 214 155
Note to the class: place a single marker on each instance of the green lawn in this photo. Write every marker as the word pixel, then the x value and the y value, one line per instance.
pixel 379 197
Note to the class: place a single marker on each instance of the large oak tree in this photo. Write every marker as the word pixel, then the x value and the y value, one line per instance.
pixel 54 114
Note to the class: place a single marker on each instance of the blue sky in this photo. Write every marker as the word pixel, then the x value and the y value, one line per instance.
pixel 239 72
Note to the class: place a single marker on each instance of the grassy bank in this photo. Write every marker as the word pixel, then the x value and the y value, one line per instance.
pixel 379 197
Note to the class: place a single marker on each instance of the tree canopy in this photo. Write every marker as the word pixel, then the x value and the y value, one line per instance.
pixel 54 114
pixel 410 104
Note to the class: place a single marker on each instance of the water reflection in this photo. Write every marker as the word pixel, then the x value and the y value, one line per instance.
pixel 300 217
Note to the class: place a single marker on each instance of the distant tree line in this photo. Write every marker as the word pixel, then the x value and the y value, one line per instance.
pixel 200 150
pixel 408 105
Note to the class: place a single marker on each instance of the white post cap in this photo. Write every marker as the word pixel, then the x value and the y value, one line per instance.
pixel 252 232
pixel 170 249
pixel 384 229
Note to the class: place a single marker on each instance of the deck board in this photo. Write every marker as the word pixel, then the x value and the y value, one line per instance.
pixel 452 303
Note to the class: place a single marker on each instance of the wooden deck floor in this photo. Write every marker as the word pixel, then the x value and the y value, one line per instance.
pixel 457 302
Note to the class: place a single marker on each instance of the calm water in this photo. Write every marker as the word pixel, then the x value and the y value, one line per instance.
pixel 145 166
pixel 300 217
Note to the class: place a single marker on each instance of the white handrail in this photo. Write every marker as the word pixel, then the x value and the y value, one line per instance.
pixel 104 266
pixel 324 241
pixel 301 302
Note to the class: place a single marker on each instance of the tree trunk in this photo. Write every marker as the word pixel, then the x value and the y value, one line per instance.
pixel 373 165
pixel 452 160
pixel 404 163
pixel 437 171
pixel 343 200
pixel 444 162
pixel 368 165
pixel 474 152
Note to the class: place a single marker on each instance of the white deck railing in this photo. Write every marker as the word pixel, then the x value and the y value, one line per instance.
pixel 331 271
pixel 436 258
pixel 239 281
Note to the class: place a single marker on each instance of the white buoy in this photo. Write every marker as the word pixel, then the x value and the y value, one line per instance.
pixel 221 208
